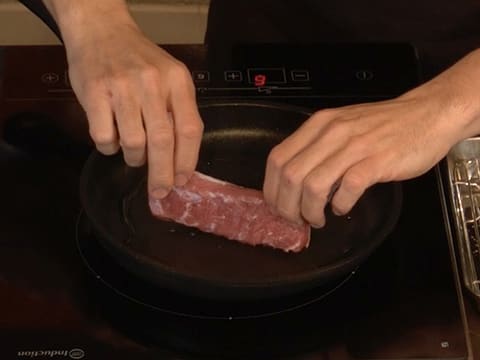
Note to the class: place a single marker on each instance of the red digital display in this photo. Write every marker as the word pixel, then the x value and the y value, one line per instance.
pixel 260 80
pixel 266 76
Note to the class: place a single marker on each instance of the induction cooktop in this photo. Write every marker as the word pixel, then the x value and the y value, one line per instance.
pixel 401 303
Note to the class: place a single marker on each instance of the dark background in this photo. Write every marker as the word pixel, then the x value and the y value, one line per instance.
pixel 442 30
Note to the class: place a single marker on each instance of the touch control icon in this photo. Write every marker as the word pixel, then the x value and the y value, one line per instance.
pixel 300 75
pixel 50 78
pixel 233 75
pixel 364 75
pixel 201 76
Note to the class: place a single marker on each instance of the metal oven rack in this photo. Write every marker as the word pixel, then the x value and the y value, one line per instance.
pixel 464 177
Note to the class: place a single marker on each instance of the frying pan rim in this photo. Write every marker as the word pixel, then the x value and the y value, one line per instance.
pixel 313 276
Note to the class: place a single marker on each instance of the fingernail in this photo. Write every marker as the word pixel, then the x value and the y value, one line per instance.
pixel 180 180
pixel 317 226
pixel 300 222
pixel 337 212
pixel 160 193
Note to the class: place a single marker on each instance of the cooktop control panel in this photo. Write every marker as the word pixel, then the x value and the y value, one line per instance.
pixel 357 71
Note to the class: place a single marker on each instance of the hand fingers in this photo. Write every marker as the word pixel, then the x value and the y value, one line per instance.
pixel 130 127
pixel 307 180
pixel 354 183
pixel 294 173
pixel 161 142
pixel 321 181
pixel 188 130
pixel 102 126
pixel 287 149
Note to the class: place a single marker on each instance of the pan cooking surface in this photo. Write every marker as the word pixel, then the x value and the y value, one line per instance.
pixel 238 138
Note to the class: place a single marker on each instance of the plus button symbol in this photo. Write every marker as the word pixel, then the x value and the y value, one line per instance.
pixel 50 78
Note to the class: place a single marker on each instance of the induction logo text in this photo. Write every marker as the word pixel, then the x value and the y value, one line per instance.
pixel 74 354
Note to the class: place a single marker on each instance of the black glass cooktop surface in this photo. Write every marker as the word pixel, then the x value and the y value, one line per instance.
pixel 399 304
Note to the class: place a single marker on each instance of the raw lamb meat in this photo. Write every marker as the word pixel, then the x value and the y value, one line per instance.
pixel 233 211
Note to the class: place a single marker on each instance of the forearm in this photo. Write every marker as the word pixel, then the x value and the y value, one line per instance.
pixel 458 91
pixel 466 93
pixel 76 18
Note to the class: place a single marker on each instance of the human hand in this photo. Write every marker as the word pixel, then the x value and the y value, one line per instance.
pixel 354 147
pixel 136 96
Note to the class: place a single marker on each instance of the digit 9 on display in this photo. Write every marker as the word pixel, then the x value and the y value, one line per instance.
pixel 266 76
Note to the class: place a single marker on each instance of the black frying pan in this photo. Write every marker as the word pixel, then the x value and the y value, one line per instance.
pixel 237 140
